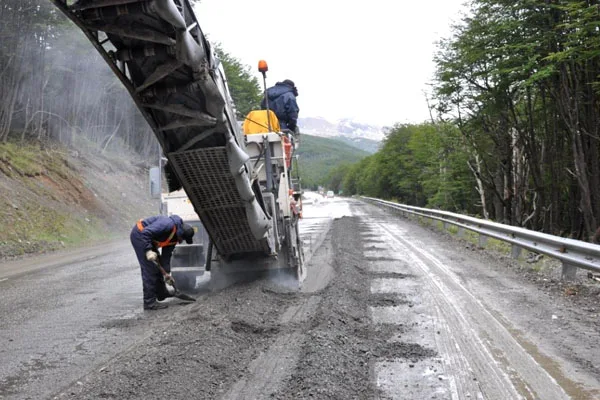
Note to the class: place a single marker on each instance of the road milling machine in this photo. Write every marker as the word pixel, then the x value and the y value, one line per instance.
pixel 238 184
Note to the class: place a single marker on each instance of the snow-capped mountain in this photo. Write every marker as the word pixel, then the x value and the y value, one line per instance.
pixel 349 128
pixel 363 136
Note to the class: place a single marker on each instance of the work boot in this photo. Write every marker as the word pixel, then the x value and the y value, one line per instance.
pixel 155 306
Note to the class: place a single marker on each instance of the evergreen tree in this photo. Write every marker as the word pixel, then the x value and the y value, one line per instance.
pixel 244 87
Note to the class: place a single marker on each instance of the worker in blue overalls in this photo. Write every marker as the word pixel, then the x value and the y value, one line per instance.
pixel 149 235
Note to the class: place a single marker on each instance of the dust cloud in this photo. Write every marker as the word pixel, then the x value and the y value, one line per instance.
pixel 56 86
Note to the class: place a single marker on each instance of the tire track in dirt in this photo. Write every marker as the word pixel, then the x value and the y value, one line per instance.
pixel 341 344
pixel 273 366
pixel 267 373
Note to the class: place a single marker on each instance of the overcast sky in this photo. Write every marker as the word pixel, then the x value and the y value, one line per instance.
pixel 365 60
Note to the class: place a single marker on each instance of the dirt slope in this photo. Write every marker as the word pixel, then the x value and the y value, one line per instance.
pixel 52 197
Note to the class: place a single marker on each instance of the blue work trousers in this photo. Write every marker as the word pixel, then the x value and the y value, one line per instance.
pixel 152 281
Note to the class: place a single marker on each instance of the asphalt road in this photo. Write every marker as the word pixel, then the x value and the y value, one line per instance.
pixel 389 309
pixel 63 315
pixel 60 319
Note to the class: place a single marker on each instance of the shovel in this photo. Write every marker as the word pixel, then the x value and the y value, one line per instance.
pixel 170 281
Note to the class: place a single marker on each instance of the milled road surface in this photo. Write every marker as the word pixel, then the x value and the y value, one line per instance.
pixel 389 309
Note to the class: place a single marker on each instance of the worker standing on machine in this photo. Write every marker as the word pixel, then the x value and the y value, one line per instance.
pixel 149 235
pixel 281 98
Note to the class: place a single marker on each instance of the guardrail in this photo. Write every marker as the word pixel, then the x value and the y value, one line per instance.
pixel 573 253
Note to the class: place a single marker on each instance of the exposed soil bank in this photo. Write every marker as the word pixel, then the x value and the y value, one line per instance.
pixel 54 197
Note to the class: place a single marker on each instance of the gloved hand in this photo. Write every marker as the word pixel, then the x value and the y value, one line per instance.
pixel 169 280
pixel 152 256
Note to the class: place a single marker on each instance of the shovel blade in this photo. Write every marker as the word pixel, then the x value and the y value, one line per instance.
pixel 183 296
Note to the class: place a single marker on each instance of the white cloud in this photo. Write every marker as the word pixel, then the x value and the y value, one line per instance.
pixel 370 61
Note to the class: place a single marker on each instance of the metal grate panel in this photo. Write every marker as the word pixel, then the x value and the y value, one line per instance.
pixel 205 176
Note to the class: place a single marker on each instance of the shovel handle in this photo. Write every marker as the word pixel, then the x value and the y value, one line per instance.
pixel 177 294
pixel 163 272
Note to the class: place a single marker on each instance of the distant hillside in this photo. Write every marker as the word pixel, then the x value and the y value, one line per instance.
pixel 317 156
pixel 363 136
pixel 368 145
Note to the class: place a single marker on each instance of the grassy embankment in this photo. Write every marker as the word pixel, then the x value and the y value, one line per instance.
pixel 318 156
pixel 52 197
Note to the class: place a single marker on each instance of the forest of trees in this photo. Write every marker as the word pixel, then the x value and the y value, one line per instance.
pixel 516 122
pixel 244 87
pixel 55 86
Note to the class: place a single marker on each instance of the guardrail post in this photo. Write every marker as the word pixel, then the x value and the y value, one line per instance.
pixel 461 232
pixel 568 271
pixel 445 225
pixel 516 251
pixel 482 240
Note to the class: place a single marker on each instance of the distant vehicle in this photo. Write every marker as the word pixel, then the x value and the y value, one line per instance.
pixel 330 194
